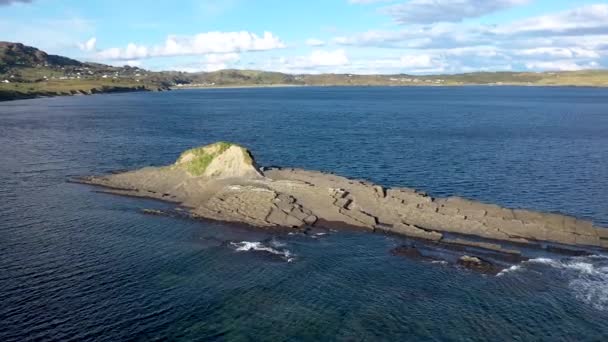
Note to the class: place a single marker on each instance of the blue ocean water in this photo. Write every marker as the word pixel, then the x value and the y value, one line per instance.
pixel 77 265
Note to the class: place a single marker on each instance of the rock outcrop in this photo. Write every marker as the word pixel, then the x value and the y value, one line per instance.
pixel 219 160
pixel 222 182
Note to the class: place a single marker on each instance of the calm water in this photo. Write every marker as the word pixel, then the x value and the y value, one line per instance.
pixel 76 264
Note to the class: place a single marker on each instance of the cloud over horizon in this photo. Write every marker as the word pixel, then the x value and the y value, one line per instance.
pixel 199 44
pixel 571 39
pixel 368 36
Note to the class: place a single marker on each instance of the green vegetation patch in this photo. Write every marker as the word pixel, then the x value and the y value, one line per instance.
pixel 203 156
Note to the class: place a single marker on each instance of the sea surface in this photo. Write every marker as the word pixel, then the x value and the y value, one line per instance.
pixel 80 265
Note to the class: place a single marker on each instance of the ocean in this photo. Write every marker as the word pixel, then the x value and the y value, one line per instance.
pixel 77 264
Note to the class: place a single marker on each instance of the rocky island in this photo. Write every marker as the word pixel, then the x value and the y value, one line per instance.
pixel 222 181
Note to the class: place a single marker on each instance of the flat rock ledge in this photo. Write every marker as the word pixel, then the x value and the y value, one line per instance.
pixel 222 182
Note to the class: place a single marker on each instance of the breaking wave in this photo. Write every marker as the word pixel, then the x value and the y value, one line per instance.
pixel 587 276
pixel 508 270
pixel 590 278
pixel 273 247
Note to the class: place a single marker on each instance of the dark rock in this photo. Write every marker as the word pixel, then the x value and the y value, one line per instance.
pixel 477 264
pixel 567 251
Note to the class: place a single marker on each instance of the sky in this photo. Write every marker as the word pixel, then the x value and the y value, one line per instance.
pixel 318 36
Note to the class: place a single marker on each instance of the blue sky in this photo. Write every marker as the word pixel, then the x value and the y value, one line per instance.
pixel 314 36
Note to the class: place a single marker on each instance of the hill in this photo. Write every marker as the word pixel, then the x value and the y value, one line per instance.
pixel 17 54
pixel 27 72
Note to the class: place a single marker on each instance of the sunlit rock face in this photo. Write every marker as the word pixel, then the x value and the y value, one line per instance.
pixel 218 160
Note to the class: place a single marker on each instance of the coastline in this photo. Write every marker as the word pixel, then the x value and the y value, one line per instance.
pixel 6 95
pixel 9 95
pixel 450 85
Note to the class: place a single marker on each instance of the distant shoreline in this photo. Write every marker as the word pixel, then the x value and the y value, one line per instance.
pixel 247 86
pixel 6 96
pixel 16 95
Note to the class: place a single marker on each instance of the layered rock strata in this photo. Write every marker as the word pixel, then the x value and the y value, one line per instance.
pixel 222 182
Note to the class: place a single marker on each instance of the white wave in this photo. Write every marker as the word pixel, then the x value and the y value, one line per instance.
pixel 508 270
pixel 547 261
pixel 589 282
pixel 246 246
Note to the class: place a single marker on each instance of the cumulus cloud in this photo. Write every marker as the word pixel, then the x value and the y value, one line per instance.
pixel 585 20
pixel 10 2
pixel 200 44
pixel 314 42
pixel 432 11
pixel 571 40
pixel 88 46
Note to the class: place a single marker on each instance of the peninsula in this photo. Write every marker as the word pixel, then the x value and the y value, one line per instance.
pixel 222 182
pixel 27 72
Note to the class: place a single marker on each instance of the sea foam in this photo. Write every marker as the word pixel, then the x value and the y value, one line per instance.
pixel 274 247
pixel 587 279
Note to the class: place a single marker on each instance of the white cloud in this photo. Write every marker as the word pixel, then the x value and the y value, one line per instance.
pixel 316 62
pixel 337 61
pixel 572 40
pixel 559 52
pixel 210 62
pixel 88 46
pixel 416 36
pixel 418 62
pixel 314 42
pixel 326 58
pixel 590 19
pixel 216 62
pixel 560 65
pixel 432 11
pixel 477 51
pixel 200 44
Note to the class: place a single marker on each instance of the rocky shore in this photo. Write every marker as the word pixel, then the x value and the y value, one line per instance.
pixel 222 182
pixel 9 95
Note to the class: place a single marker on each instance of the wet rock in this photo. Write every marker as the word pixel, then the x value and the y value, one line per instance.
pixel 477 264
pixel 154 212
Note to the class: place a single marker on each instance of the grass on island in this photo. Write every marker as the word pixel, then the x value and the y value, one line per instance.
pixel 201 157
